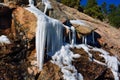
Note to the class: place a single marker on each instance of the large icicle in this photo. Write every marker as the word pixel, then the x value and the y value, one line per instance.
pixel 73 35
pixel 47 28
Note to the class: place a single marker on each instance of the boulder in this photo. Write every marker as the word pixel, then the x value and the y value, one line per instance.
pixel 55 12
pixel 23 24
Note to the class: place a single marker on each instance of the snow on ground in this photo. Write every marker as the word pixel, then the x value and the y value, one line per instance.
pixel 79 22
pixel 4 40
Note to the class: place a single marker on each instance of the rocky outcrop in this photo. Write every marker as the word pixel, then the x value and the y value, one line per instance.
pixel 19 57
pixel 110 37
pixel 22 19
pixel 52 71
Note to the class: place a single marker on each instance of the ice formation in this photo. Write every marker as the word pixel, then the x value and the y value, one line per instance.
pixel 47 5
pixel 4 40
pixel 49 32
pixel 73 36
pixel 110 61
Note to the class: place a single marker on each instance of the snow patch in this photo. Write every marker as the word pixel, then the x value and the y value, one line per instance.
pixel 79 22
pixel 4 40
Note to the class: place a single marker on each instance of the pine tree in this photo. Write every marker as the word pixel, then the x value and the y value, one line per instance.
pixel 91 3
pixel 114 15
pixel 93 9
pixel 72 3
pixel 104 8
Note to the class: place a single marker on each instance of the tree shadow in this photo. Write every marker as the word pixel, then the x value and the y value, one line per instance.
pixel 5 17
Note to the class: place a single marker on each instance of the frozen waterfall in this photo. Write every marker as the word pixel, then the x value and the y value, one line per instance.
pixel 49 34
pixel 48 31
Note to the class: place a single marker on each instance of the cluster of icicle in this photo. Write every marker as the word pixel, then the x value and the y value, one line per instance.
pixel 50 32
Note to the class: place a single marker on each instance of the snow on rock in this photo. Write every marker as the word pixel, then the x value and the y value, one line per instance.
pixel 4 40
pixel 63 59
pixel 79 22
pixel 111 62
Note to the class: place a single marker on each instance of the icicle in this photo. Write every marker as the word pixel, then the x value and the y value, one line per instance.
pixel 93 38
pixel 31 2
pixel 73 35
pixel 47 5
pixel 85 40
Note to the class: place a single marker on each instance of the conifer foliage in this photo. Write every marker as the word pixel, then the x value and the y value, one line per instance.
pixel 72 3
pixel 92 9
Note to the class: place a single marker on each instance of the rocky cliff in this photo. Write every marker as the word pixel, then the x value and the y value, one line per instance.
pixel 18 58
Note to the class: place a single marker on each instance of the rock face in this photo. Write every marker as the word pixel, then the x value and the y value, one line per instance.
pixel 22 18
pixel 20 29
pixel 52 71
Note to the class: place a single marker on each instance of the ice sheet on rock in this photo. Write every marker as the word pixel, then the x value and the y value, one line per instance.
pixel 4 40
pixel 31 2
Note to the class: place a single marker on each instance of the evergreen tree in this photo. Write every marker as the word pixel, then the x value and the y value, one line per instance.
pixel 114 15
pixel 104 8
pixel 93 9
pixel 91 3
pixel 72 3
pixel 112 8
